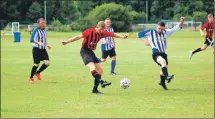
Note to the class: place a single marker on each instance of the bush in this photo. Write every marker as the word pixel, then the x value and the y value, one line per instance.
pixel 56 25
pixel 121 20
pixel 199 16
pixel 81 25
pixel 137 17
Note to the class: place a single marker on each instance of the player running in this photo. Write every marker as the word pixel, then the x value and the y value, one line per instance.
pixel 39 44
pixel 209 26
pixel 108 47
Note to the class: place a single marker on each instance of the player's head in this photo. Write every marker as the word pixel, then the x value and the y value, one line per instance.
pixel 41 22
pixel 160 27
pixel 100 27
pixel 107 22
pixel 210 18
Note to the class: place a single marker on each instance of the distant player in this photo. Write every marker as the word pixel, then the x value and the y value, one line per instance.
pixel 209 26
pixel 108 47
pixel 39 43
pixel 91 37
pixel 157 39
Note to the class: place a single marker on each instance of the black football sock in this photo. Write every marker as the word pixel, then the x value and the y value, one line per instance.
pixel 165 72
pixel 97 79
pixel 33 71
pixel 162 81
pixel 197 50
pixel 42 68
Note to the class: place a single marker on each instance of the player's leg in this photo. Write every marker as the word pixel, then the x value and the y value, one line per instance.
pixel 113 65
pixel 104 56
pixel 36 58
pixel 204 47
pixel 46 63
pixel 99 70
pixel 113 62
pixel 170 76
pixel 164 72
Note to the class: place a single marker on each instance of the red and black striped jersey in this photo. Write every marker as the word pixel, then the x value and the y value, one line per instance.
pixel 91 38
pixel 209 28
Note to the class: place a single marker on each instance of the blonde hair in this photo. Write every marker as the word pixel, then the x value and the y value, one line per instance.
pixel 210 15
pixel 107 19
pixel 101 24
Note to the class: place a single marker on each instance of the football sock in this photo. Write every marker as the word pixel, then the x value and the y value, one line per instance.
pixel 33 71
pixel 113 65
pixel 165 72
pixel 197 50
pixel 97 79
pixel 42 68
pixel 162 79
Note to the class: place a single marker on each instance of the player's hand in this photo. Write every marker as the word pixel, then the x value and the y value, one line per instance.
pixel 49 47
pixel 202 35
pixel 125 36
pixel 64 42
pixel 182 19
pixel 41 44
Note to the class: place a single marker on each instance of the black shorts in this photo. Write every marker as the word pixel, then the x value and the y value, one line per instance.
pixel 39 55
pixel 88 56
pixel 163 55
pixel 208 41
pixel 109 53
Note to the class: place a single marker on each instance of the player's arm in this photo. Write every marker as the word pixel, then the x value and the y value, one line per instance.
pixel 119 36
pixel 146 42
pixel 75 38
pixel 175 28
pixel 112 34
pixel 202 28
pixel 113 41
pixel 34 37
pixel 143 34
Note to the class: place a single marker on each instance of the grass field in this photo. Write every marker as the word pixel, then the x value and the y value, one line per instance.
pixel 65 90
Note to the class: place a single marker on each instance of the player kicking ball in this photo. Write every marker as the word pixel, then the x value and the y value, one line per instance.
pixel 91 37
pixel 209 26
pixel 157 39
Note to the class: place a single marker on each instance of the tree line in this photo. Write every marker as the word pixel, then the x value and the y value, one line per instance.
pixel 80 11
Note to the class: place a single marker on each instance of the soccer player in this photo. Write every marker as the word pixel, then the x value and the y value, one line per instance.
pixel 39 43
pixel 108 47
pixel 157 39
pixel 91 37
pixel 209 26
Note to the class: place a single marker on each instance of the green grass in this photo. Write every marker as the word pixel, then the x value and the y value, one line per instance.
pixel 65 90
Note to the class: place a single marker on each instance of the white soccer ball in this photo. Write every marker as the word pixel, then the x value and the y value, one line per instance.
pixel 125 83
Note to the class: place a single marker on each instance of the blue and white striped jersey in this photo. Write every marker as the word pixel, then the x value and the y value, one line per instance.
pixel 39 35
pixel 109 43
pixel 158 42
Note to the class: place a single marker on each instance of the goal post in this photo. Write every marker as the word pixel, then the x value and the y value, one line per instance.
pixel 10 28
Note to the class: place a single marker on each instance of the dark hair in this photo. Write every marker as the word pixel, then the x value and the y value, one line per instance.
pixel 40 19
pixel 161 24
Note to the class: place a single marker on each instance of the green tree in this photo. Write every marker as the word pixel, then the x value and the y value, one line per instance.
pixel 121 20
pixel 162 10
pixel 83 7
pixel 34 11
pixel 195 6
pixel 10 10
pixel 68 11
pixel 137 17
pixel 199 16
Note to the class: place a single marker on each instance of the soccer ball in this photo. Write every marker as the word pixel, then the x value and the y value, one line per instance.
pixel 125 83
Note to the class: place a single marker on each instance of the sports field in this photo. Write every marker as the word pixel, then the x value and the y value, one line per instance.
pixel 65 90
